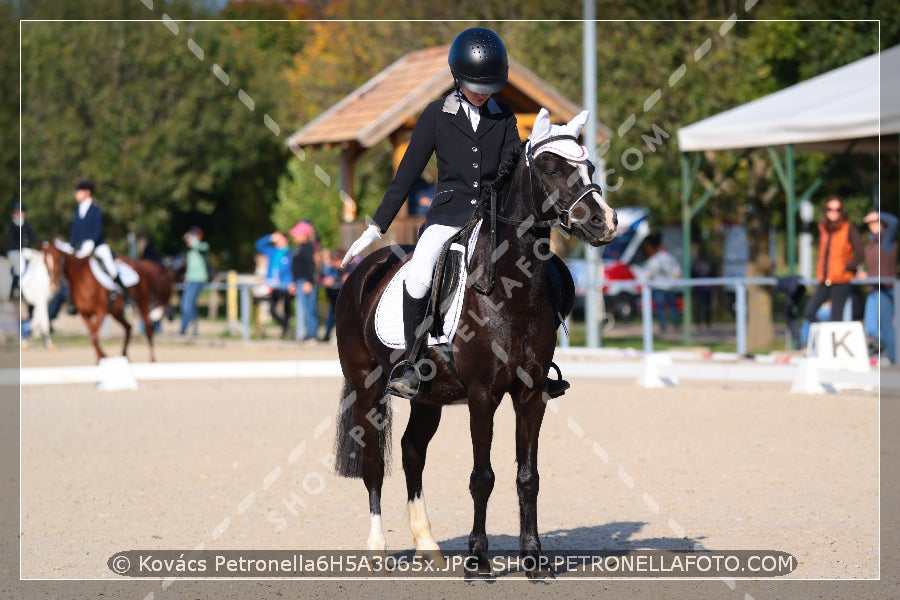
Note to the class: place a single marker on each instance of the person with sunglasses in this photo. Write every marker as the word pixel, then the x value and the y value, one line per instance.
pixel 840 253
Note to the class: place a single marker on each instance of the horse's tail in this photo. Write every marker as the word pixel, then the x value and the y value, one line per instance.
pixel 348 441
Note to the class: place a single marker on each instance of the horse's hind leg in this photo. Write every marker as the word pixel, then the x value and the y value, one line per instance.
pixel 423 423
pixel 119 315
pixel 362 444
pixel 148 327
pixel 529 408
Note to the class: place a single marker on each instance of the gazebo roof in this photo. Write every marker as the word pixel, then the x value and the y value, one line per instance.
pixel 397 95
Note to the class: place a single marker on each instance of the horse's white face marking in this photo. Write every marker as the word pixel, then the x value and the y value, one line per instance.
pixel 608 213
pixel 376 534
pixel 419 525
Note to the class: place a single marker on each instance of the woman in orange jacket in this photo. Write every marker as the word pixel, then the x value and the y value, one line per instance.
pixel 840 253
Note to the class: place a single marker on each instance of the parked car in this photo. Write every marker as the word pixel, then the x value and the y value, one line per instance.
pixel 617 264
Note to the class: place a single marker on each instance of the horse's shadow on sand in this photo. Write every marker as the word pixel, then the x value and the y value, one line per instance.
pixel 611 537
pixel 616 538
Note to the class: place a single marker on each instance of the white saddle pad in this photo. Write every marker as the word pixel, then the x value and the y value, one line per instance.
pixel 128 275
pixel 389 313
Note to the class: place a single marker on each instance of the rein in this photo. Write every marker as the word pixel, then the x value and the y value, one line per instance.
pixel 563 216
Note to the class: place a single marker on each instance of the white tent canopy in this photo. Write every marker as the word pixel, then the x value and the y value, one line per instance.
pixel 840 105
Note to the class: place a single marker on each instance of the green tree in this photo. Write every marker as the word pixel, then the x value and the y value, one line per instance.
pixel 175 121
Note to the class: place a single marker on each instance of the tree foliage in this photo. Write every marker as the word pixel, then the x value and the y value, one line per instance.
pixel 169 118
pixel 170 145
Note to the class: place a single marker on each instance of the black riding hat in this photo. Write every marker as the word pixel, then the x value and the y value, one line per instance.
pixel 478 60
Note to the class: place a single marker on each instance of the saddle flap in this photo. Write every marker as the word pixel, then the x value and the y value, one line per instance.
pixel 126 273
pixel 446 299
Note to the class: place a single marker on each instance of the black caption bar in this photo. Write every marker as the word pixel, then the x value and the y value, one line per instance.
pixel 268 564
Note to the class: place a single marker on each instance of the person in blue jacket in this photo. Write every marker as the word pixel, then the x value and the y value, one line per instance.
pixel 86 233
pixel 279 278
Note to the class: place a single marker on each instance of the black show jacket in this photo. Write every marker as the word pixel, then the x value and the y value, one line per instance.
pixel 467 160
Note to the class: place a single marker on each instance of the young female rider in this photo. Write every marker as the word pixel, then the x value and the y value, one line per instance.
pixel 471 135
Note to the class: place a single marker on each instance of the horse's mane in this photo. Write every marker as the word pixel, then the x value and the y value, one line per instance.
pixel 504 173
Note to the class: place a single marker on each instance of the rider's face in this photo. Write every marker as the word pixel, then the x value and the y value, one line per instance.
pixel 476 99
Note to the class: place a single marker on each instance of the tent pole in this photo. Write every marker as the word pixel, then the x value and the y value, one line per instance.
pixel 792 210
pixel 785 174
pixel 687 185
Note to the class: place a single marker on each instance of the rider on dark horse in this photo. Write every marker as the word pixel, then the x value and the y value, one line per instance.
pixel 471 135
pixel 86 233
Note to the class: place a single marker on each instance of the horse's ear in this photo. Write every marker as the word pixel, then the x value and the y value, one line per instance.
pixel 541 128
pixel 578 123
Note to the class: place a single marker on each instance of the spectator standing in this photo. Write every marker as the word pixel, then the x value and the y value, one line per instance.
pixel 880 254
pixel 840 253
pixel 662 266
pixel 195 276
pixel 332 279
pixel 279 279
pixel 703 268
pixel 303 271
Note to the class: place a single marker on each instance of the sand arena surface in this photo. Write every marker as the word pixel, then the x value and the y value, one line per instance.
pixel 244 464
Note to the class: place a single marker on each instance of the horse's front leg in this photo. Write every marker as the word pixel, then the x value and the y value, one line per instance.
pixel 423 423
pixel 481 481
pixel 93 327
pixel 529 406
pixel 118 314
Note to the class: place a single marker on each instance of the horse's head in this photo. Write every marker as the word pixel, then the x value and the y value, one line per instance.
pixel 54 258
pixel 562 170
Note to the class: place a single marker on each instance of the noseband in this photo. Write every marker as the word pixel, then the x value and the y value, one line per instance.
pixel 563 215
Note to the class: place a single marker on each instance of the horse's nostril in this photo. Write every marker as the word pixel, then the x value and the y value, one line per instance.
pixel 615 219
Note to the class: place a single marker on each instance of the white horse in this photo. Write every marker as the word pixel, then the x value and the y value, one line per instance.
pixel 9 309
pixel 34 290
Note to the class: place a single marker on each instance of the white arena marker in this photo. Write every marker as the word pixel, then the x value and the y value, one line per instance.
pixel 115 374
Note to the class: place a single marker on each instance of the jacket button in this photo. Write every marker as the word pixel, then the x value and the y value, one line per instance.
pixel 474 184
pixel 474 148
pixel 475 165
pixel 473 201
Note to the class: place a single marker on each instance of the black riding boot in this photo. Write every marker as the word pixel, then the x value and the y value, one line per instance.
pixel 125 293
pixel 407 385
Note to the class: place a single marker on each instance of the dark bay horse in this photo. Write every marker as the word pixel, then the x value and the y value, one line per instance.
pixel 505 342
pixel 93 301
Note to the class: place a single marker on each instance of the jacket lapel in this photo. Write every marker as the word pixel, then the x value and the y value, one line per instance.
pixel 490 116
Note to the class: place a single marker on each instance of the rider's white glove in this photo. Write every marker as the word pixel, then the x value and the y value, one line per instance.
pixel 87 247
pixel 368 236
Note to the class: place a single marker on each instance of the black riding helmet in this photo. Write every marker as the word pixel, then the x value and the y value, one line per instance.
pixel 478 60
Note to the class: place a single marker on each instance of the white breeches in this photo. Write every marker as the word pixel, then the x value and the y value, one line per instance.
pixel 104 255
pixel 428 251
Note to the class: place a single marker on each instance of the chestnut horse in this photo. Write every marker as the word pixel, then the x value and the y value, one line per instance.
pixel 505 342
pixel 93 301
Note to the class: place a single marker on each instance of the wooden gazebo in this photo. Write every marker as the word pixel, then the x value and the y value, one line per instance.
pixel 388 105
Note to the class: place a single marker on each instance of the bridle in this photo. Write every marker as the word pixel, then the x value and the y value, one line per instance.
pixel 563 216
